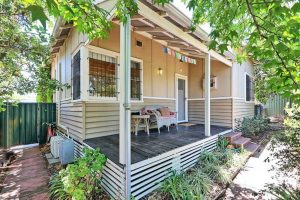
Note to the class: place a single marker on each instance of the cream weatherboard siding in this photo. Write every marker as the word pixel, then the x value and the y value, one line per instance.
pixel 242 109
pixel 221 112
pixel 99 119
pixel 103 118
pixel 71 116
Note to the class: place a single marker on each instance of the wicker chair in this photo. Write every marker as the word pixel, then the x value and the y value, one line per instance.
pixel 157 118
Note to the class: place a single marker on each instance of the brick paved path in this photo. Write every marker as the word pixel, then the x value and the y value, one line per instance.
pixel 27 177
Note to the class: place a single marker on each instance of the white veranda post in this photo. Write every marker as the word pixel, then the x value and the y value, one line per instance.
pixel 125 114
pixel 207 95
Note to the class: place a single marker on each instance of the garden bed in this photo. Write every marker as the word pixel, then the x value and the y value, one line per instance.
pixel 208 179
pixel 80 168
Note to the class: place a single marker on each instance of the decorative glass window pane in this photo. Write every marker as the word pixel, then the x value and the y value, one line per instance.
pixel 102 75
pixel 136 80
pixel 76 76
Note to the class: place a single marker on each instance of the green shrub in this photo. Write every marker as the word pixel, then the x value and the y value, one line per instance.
pixel 222 143
pixel 207 157
pixel 200 182
pixel 251 126
pixel 224 157
pixel 80 180
pixel 292 119
pixel 285 144
pixel 284 192
pixel 217 157
pixel 56 189
pixel 216 173
pixel 187 187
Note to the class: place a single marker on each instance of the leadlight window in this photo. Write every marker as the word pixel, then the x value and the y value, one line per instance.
pixel 249 88
pixel 102 75
pixel 136 80
pixel 76 76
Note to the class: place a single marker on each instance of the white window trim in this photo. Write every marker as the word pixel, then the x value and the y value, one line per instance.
pixel 111 54
pixel 142 79
pixel 245 88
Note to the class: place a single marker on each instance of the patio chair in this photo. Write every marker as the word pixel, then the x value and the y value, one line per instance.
pixel 160 115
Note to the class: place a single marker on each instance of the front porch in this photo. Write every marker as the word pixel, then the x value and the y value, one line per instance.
pixel 153 157
pixel 144 147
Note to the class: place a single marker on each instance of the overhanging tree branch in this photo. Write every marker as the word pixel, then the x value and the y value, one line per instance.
pixel 258 27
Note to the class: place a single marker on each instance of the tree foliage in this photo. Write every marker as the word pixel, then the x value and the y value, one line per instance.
pixel 23 50
pixel 25 43
pixel 286 145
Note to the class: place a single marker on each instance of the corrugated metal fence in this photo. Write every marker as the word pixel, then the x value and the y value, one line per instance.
pixel 276 104
pixel 24 123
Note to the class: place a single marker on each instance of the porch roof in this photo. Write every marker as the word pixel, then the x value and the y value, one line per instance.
pixel 167 25
pixel 144 147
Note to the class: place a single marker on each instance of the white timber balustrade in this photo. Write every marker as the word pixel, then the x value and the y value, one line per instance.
pixel 125 107
pixel 207 94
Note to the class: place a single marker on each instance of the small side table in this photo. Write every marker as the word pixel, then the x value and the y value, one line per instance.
pixel 141 121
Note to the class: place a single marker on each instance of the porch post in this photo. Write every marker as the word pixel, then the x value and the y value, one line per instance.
pixel 125 114
pixel 207 94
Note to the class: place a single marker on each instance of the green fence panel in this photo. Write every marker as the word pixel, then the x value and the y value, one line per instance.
pixel 25 123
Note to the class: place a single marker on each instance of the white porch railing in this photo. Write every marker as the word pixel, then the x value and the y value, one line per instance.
pixel 149 174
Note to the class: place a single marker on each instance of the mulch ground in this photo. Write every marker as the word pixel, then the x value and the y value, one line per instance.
pixel 27 177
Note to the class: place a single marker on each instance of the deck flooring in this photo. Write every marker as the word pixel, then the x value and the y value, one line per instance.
pixel 144 146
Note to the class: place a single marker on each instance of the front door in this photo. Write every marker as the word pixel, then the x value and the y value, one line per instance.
pixel 181 99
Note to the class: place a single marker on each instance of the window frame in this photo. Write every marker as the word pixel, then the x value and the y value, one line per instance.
pixel 78 49
pixel 111 54
pixel 251 78
pixel 142 79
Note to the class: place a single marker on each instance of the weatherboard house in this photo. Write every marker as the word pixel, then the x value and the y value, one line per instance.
pixel 152 61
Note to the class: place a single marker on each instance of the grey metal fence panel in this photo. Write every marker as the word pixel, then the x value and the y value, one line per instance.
pixel 276 104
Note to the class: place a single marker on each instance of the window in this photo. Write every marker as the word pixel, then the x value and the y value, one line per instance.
pixel 102 75
pixel 136 81
pixel 76 76
pixel 213 83
pixel 249 88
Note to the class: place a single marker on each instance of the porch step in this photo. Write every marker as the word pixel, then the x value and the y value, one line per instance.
pixel 241 142
pixel 252 147
pixel 233 136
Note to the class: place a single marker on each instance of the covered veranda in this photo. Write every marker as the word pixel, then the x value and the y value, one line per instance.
pixel 138 164
pixel 145 146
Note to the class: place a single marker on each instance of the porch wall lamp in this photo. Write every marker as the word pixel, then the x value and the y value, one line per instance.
pixel 160 71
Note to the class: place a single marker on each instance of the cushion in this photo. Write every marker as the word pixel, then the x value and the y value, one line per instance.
pixel 165 112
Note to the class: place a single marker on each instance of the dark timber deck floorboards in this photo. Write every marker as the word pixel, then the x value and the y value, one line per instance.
pixel 144 146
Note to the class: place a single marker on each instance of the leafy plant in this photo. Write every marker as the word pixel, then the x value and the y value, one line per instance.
pixel 292 119
pixel 56 189
pixel 222 143
pixel 207 157
pixel 285 144
pixel 251 126
pixel 186 187
pixel 224 157
pixel 284 192
pixel 200 181
pixel 80 180
pixel 216 172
